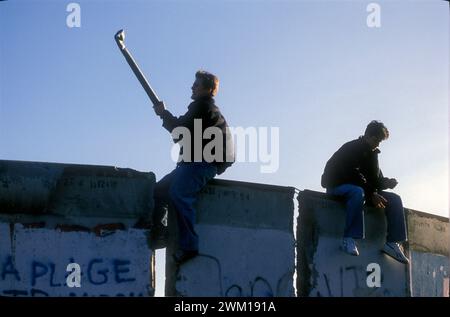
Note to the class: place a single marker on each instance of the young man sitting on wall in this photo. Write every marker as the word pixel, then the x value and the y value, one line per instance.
pixel 353 174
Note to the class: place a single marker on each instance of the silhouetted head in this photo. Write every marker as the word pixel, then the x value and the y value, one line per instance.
pixel 375 132
pixel 205 84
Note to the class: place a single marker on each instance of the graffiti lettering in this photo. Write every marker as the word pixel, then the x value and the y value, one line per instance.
pixel 119 268
pixel 33 292
pixel 356 273
pixel 102 184
pixel 37 270
pixel 259 287
pixel 37 292
pixel 8 268
pixel 98 271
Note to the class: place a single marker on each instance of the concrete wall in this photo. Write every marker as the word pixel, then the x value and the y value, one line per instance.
pixel 324 270
pixel 55 214
pixel 429 244
pixel 247 244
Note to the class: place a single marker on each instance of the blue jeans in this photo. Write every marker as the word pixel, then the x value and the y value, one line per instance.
pixel 180 188
pixel 354 221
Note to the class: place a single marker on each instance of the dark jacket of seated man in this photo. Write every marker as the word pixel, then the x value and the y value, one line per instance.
pixel 355 163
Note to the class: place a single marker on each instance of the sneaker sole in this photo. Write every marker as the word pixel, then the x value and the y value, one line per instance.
pixel 394 256
pixel 343 250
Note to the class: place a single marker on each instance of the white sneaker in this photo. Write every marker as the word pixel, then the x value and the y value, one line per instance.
pixel 349 246
pixel 393 249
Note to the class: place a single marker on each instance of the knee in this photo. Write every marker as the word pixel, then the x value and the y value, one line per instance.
pixel 392 197
pixel 357 193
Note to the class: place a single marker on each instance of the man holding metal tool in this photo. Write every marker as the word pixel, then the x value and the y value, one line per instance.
pixel 202 125
pixel 194 168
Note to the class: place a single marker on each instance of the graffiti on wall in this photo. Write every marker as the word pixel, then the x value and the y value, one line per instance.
pixel 255 263
pixel 40 262
pixel 43 277
pixel 350 277
pixel 336 274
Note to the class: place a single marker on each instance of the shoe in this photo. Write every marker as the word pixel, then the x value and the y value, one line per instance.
pixel 349 246
pixel 182 256
pixel 393 249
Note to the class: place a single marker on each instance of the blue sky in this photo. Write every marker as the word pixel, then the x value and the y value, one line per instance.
pixel 314 69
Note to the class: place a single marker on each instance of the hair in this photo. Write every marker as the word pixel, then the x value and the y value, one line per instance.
pixel 209 81
pixel 377 129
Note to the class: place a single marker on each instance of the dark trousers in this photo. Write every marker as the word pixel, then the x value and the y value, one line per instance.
pixel 354 222
pixel 180 188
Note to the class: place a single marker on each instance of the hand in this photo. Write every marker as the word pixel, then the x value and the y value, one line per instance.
pixel 120 39
pixel 379 201
pixel 159 108
pixel 391 183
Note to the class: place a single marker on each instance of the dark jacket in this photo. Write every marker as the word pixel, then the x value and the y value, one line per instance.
pixel 357 164
pixel 205 109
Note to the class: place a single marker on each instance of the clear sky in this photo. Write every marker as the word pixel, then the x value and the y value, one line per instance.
pixel 314 69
